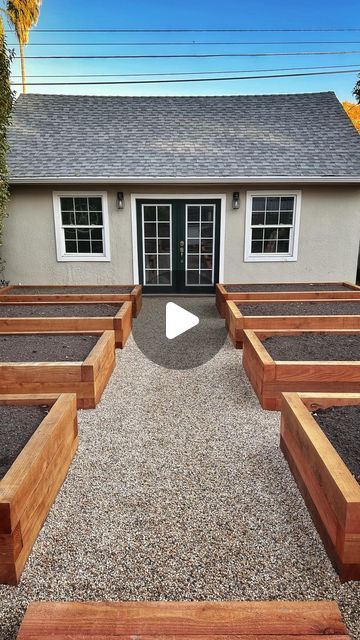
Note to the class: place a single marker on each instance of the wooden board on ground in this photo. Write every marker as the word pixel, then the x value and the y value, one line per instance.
pixel 348 290
pixel 87 379
pixel 270 378
pixel 30 486
pixel 331 492
pixel 120 323
pixel 237 322
pixel 23 294
pixel 271 620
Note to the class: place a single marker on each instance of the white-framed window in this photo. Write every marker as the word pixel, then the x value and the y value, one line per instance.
pixel 272 226
pixel 81 226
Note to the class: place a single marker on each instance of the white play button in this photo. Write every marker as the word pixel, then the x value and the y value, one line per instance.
pixel 178 320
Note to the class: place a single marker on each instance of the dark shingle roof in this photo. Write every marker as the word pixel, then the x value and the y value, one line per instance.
pixel 206 136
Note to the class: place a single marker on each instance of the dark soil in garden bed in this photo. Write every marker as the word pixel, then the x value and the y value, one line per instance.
pixel 58 310
pixel 341 427
pixel 314 346
pixel 34 291
pixel 46 348
pixel 300 308
pixel 280 286
pixel 17 425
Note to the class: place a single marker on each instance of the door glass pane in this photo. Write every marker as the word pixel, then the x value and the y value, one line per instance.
pixel 149 213
pixel 150 261
pixel 157 259
pixel 164 261
pixel 164 245
pixel 205 277
pixel 193 214
pixel 164 214
pixel 150 230
pixel 164 277
pixel 207 213
pixel 193 246
pixel 150 246
pixel 193 230
pixel 193 261
pixel 192 277
pixel 150 277
pixel 200 245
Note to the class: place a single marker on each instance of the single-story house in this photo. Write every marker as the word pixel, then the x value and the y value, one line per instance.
pixel 178 193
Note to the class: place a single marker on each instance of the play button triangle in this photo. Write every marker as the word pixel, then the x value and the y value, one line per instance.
pixel 178 320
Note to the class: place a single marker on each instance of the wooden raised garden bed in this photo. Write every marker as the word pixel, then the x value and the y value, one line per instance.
pixel 57 363
pixel 270 376
pixel 33 478
pixel 290 314
pixel 74 293
pixel 330 490
pixel 67 316
pixel 283 291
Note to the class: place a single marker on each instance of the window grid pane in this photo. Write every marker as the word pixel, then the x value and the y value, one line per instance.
pixel 156 223
pixel 200 222
pixel 272 224
pixel 81 235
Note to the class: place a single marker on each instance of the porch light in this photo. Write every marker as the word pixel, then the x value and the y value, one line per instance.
pixel 236 200
pixel 120 200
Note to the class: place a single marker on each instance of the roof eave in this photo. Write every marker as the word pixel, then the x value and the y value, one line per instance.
pixel 185 180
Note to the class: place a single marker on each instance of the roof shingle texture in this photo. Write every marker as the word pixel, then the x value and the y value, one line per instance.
pixel 206 136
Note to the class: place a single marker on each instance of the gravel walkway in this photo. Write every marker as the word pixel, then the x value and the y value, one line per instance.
pixel 179 491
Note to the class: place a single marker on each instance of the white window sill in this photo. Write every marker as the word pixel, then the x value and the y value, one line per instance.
pixel 83 259
pixel 270 259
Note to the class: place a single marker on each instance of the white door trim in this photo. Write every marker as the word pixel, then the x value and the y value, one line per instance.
pixel 177 196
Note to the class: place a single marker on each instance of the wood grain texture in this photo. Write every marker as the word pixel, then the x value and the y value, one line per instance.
pixel 30 486
pixel 218 620
pixel 271 378
pixel 331 492
pixel 135 296
pixel 237 322
pixel 87 379
pixel 222 295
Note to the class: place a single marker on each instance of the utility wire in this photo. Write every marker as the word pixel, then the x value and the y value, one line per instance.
pixel 188 43
pixel 312 30
pixel 185 73
pixel 181 80
pixel 196 55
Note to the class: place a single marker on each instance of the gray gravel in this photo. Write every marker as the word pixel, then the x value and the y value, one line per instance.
pixel 179 491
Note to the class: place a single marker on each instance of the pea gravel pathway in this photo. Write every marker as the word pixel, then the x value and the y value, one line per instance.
pixel 178 491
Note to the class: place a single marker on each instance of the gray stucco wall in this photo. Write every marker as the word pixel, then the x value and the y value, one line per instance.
pixel 328 242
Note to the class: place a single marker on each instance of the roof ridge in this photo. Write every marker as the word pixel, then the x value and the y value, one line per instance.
pixel 179 97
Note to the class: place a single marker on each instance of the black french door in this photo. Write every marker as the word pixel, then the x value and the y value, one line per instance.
pixel 178 245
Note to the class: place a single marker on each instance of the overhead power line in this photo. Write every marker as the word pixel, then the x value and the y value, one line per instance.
pixel 187 43
pixel 312 30
pixel 186 73
pixel 182 80
pixel 195 55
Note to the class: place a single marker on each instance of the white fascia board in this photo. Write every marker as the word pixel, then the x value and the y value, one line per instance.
pixel 188 180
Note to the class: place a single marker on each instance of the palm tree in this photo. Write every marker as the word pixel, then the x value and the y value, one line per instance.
pixel 356 91
pixel 24 15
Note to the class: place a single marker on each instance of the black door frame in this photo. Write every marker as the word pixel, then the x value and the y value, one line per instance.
pixel 178 233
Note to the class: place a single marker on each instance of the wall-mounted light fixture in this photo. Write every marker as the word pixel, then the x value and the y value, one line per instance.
pixel 120 200
pixel 236 200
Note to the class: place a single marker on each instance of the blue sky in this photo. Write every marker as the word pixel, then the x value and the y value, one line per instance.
pixel 201 14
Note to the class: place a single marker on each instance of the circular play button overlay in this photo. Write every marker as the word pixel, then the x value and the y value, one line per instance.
pixel 179 332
